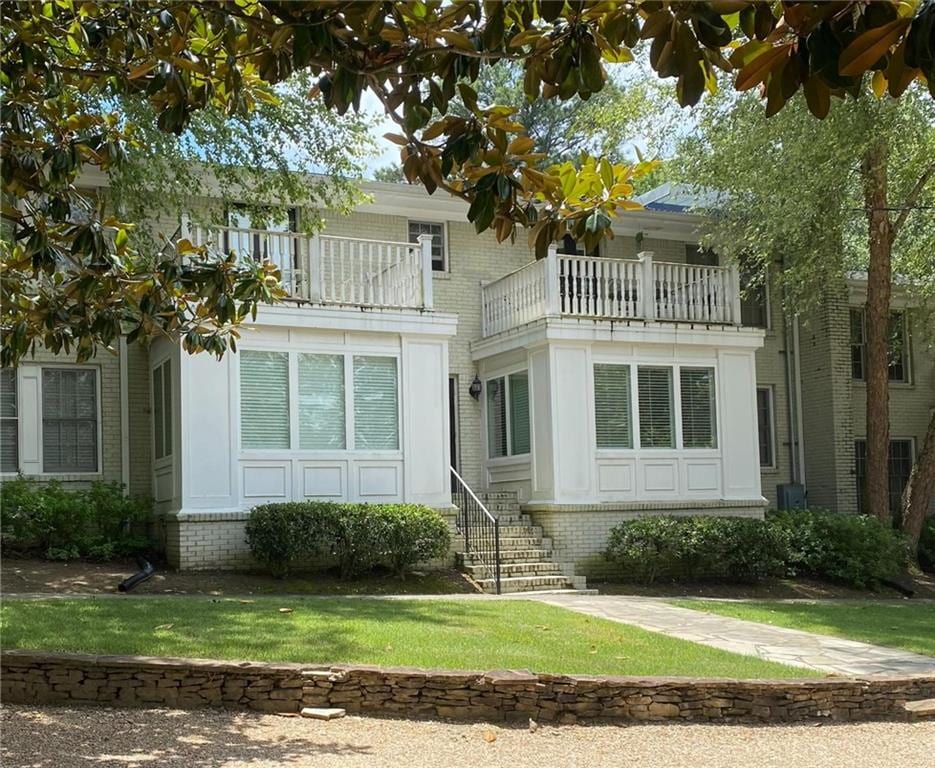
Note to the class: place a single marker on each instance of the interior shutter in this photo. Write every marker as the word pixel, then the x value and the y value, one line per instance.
pixel 612 406
pixel 321 402
pixel 496 418
pixel 9 431
pixel 376 404
pixel 657 426
pixel 264 400
pixel 699 426
pixel 519 413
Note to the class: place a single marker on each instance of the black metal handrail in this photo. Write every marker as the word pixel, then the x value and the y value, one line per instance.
pixel 481 530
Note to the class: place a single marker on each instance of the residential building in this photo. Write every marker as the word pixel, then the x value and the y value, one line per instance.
pixel 570 393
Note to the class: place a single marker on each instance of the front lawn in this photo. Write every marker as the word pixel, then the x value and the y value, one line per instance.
pixel 463 634
pixel 906 625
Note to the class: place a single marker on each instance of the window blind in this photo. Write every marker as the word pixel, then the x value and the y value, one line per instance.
pixel 264 400
pixel 612 406
pixel 654 390
pixel 321 402
pixel 376 404
pixel 496 418
pixel 9 423
pixel 69 420
pixel 699 421
pixel 519 413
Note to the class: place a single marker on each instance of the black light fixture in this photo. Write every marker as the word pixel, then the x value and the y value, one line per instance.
pixel 476 387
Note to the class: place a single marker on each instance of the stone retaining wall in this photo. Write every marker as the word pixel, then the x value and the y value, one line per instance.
pixel 42 678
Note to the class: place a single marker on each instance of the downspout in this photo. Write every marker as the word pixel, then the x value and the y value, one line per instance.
pixel 124 418
pixel 798 402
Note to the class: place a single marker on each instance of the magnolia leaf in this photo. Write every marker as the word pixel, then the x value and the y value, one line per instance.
pixel 759 68
pixel 867 49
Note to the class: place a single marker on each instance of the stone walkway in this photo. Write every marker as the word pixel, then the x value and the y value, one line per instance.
pixel 787 646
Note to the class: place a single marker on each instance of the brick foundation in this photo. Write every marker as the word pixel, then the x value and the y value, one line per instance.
pixel 30 677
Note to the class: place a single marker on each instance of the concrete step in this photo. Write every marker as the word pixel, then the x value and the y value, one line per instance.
pixel 497 496
pixel 511 531
pixel 522 542
pixel 509 570
pixel 513 584
pixel 512 556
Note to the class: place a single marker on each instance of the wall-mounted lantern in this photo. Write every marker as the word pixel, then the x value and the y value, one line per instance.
pixel 476 388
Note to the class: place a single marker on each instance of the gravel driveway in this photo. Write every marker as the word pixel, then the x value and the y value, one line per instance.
pixel 65 737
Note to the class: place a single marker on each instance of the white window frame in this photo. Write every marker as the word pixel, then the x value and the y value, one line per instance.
pixel 770 390
pixel 294 451
pixel 167 417
pixel 446 251
pixel 21 417
pixel 508 420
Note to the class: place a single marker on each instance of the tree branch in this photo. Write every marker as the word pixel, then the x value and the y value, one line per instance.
pixel 912 197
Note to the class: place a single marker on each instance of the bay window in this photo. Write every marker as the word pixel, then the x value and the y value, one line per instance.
pixel 698 408
pixel 654 394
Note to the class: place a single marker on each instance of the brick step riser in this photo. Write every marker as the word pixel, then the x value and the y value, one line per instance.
pixel 516 569
pixel 511 556
pixel 526 584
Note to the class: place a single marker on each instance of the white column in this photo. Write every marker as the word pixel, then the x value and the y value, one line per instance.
pixel 185 227
pixel 425 241
pixel 313 274
pixel 647 286
pixel 735 291
pixel 552 298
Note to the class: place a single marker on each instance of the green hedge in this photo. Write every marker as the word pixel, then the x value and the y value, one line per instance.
pixel 47 520
pixel 850 549
pixel 358 536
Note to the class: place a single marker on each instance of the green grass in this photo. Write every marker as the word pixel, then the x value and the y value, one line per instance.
pixel 908 625
pixel 466 634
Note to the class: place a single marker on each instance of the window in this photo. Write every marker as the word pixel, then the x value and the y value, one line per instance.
pixel 897 346
pixel 264 400
pixel 69 420
pixel 764 423
pixel 376 406
pixel 654 389
pixel 9 423
pixel 321 402
pixel 162 411
pixel 437 231
pixel 569 246
pixel 280 250
pixel 900 465
pixel 699 419
pixel 700 257
pixel 508 427
pixel 612 406
pixel 754 300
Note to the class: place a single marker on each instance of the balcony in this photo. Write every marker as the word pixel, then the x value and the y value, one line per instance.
pixel 323 269
pixel 612 289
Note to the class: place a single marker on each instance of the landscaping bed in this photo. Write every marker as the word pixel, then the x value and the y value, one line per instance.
pixel 446 634
pixel 907 625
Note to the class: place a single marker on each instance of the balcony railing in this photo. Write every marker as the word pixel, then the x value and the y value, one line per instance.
pixel 324 269
pixel 614 289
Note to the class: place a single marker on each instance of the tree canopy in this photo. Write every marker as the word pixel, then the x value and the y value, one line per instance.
pixel 67 65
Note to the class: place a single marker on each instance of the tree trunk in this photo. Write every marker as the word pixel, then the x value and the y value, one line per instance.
pixel 876 373
pixel 920 490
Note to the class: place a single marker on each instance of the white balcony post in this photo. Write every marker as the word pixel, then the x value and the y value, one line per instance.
pixel 425 241
pixel 185 227
pixel 647 286
pixel 313 275
pixel 552 298
pixel 735 291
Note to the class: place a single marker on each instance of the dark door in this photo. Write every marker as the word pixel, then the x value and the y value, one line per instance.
pixel 453 423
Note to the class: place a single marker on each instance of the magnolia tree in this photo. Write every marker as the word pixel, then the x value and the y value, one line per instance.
pixel 68 66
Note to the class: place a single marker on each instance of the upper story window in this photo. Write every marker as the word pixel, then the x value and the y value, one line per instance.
pixel 897 346
pixel 69 420
pixel 9 422
pixel 570 247
pixel 262 235
pixel 508 415
pixel 437 231
pixel 700 257
pixel 764 423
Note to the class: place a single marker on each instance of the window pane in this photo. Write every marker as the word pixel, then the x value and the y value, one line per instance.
pixel 159 427
pixel 519 413
pixel 376 404
pixel 496 418
pixel 321 402
pixel 69 420
pixel 167 405
pixel 857 344
pixel 897 351
pixel 9 432
pixel 657 427
pixel 764 421
pixel 437 231
pixel 264 400
pixel 612 406
pixel 699 425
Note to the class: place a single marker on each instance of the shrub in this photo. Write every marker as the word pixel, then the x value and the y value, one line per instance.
pixel 926 551
pixel 856 550
pixel 359 536
pixel 56 523
pixel 733 548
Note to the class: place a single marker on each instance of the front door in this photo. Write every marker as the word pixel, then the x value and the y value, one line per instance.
pixel 453 452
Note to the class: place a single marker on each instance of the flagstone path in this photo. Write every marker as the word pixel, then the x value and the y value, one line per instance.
pixel 787 646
